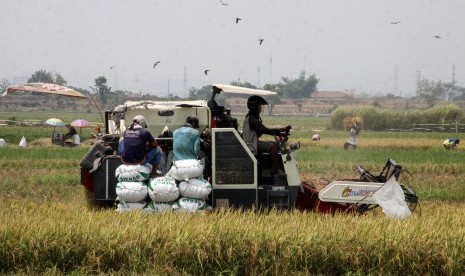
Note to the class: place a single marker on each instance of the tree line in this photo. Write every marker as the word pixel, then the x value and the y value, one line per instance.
pixel 301 87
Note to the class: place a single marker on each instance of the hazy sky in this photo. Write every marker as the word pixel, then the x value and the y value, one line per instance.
pixel 347 44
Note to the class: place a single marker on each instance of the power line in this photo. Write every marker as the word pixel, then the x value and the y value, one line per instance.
pixel 185 80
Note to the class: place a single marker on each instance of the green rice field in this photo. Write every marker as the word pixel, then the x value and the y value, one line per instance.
pixel 48 229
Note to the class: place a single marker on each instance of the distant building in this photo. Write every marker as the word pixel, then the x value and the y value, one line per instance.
pixel 332 95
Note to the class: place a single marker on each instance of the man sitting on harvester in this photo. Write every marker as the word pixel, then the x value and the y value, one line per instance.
pixel 186 140
pixel 253 129
pixel 139 147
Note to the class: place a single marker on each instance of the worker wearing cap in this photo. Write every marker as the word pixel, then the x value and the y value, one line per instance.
pixel 139 147
pixel 186 140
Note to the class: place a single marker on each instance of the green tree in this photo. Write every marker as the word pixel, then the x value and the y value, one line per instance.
pixel 47 77
pixel 117 97
pixel 273 100
pixel 453 92
pixel 430 91
pixel 4 83
pixel 244 84
pixel 299 88
pixel 203 93
pixel 102 89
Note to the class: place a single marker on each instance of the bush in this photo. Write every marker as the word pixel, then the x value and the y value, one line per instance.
pixel 374 118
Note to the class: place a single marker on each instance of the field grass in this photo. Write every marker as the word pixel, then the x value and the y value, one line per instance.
pixel 48 229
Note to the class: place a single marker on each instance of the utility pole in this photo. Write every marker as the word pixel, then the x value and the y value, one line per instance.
pixel 418 78
pixel 453 74
pixel 305 64
pixel 271 62
pixel 396 81
pixel 168 89
pixel 258 74
pixel 185 80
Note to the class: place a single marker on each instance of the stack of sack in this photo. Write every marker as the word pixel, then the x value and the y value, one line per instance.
pixel 194 193
pixel 181 189
pixel 163 192
pixel 132 188
pixel 194 190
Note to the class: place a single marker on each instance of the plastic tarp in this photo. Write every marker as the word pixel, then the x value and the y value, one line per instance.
pixel 391 198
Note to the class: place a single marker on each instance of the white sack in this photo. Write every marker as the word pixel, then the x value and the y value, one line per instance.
pixel 185 169
pixel 2 143
pixel 392 199
pixel 195 188
pixel 133 173
pixel 131 191
pixel 163 189
pixel 23 142
pixel 154 206
pixel 185 204
pixel 130 206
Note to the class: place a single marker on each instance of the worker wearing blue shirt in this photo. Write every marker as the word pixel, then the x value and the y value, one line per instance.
pixel 186 140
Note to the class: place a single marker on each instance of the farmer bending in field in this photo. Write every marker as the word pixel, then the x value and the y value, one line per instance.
pixel 139 147
pixel 451 143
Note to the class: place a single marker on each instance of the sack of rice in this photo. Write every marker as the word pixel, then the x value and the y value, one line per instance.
pixel 185 169
pixel 130 206
pixel 133 173
pixel 131 191
pixel 185 204
pixel 163 189
pixel 154 206
pixel 197 188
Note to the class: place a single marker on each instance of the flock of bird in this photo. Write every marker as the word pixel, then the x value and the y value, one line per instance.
pixel 260 40
pixel 398 22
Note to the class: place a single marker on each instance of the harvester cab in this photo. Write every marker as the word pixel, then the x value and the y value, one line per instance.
pixel 238 178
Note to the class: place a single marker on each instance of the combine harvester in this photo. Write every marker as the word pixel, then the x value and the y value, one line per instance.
pixel 238 178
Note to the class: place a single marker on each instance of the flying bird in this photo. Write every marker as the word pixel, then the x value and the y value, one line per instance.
pixel 436 36
pixel 261 41
pixel 155 64
pixel 206 72
pixel 224 4
pixel 238 19
pixel 111 67
pixel 395 22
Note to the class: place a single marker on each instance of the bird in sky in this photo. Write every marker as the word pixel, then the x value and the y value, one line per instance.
pixel 261 41
pixel 224 4
pixel 436 36
pixel 238 19
pixel 111 67
pixel 395 22
pixel 155 64
pixel 206 72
